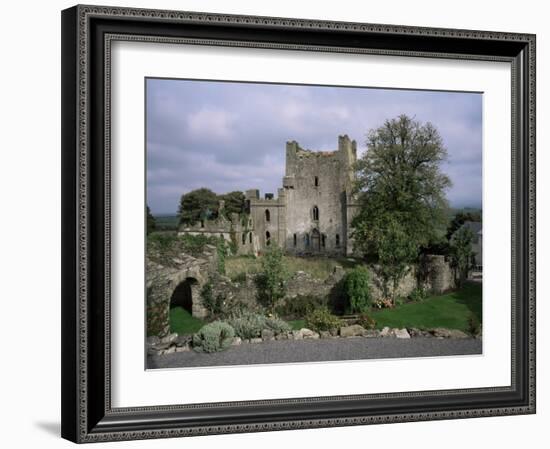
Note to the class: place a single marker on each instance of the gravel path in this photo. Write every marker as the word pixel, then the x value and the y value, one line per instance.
pixel 292 351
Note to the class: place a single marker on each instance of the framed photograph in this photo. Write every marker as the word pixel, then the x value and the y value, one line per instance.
pixel 275 224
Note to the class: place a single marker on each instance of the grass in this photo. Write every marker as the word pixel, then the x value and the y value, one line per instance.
pixel 296 325
pixel 317 267
pixel 182 322
pixel 451 310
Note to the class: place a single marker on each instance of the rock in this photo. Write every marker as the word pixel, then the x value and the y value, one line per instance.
pixel 309 334
pixel 170 350
pixel 182 340
pixel 236 341
pixel 152 340
pixel 355 330
pixel 169 338
pixel 297 335
pixel 325 334
pixel 371 333
pixel 386 332
pixel 256 340
pixel 283 336
pixel 440 332
pixel 184 348
pixel 414 332
pixel 401 333
pixel 268 334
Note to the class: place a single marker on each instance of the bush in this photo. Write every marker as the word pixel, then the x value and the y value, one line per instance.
pixel 250 325
pixel 366 321
pixel 418 294
pixel 214 304
pixel 271 281
pixel 322 320
pixel 357 289
pixel 300 306
pixel 213 337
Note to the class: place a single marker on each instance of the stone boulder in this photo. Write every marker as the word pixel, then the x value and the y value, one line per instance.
pixel 355 330
pixel 401 333
pixel 440 332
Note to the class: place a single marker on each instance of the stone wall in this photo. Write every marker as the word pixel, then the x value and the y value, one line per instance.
pixel 163 278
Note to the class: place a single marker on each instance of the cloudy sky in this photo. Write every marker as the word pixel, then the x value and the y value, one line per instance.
pixel 231 136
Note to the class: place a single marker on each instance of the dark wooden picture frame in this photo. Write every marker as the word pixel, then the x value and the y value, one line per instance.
pixel 87 414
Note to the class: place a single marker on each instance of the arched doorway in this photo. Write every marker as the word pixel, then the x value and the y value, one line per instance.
pixel 182 296
pixel 315 240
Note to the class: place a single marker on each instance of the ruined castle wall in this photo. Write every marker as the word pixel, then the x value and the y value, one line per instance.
pixel 317 179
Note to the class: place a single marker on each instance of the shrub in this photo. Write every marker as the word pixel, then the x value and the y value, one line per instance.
pixel 250 325
pixel 213 337
pixel 322 320
pixel 366 321
pixel 222 253
pixel 214 304
pixel 357 289
pixel 418 294
pixel 300 306
pixel 277 325
pixel 271 281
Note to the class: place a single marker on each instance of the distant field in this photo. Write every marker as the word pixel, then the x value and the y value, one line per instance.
pixel 166 222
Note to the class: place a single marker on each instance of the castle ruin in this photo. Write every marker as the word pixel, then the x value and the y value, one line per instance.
pixel 311 214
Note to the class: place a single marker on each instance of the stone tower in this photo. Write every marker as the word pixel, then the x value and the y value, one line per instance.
pixel 314 208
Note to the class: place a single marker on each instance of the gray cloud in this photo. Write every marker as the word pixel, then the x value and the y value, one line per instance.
pixel 231 136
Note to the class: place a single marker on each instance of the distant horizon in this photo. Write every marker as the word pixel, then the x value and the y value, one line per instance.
pixel 230 136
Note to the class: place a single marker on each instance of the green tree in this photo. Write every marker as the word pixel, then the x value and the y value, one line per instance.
pixel 461 253
pixel 234 203
pixel 400 189
pixel 151 223
pixel 200 204
pixel 396 253
pixel 271 280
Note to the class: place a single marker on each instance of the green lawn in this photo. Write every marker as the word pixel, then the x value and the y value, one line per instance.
pixel 182 322
pixel 451 310
pixel 296 325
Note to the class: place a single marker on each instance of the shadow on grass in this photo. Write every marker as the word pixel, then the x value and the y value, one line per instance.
pixel 471 296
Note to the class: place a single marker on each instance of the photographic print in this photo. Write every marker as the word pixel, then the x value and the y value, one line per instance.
pixel 294 223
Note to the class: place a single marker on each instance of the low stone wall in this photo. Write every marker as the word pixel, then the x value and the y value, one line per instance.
pixel 162 280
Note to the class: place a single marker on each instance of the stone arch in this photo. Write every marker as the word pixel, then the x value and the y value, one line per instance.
pixel 184 295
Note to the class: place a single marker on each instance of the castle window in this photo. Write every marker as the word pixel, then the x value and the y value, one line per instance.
pixel 337 239
pixel 315 213
pixel 267 215
pixel 202 223
pixel 244 238
pixel 316 181
pixel 250 237
pixel 267 238
pixel 323 240
pixel 306 239
pixel 295 240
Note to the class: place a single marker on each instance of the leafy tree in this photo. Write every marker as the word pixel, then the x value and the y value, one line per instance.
pixel 400 190
pixel 200 204
pixel 396 252
pixel 234 203
pixel 271 281
pixel 459 219
pixel 461 253
pixel 151 223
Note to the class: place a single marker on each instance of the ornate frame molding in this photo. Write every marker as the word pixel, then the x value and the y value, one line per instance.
pixel 88 32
